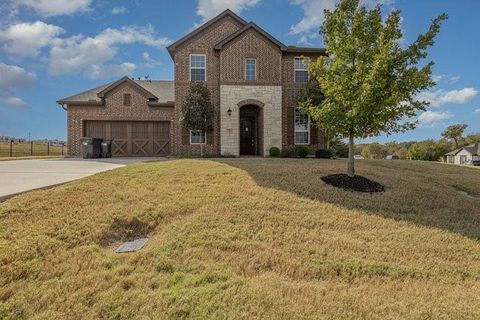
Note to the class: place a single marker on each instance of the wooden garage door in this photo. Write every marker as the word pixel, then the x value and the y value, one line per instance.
pixel 133 138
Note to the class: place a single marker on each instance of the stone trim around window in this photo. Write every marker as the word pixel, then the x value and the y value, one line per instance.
pixel 250 69
pixel 302 128
pixel 197 64
pixel 300 71
pixel 198 137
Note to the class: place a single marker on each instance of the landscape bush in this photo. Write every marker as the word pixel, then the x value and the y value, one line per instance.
pixel 288 152
pixel 302 151
pixel 323 153
pixel 274 152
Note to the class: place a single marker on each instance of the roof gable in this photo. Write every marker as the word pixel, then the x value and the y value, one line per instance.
pixel 112 86
pixel 249 26
pixel 227 13
pixel 163 90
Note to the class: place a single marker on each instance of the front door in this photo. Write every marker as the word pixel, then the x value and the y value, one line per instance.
pixel 247 136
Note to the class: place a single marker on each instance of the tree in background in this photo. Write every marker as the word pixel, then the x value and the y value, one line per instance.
pixel 454 132
pixel 374 151
pixel 369 81
pixel 197 109
pixel 415 152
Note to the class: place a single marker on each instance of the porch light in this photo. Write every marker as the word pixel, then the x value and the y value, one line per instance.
pixel 229 111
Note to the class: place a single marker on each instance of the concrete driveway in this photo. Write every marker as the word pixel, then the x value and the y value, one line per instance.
pixel 18 176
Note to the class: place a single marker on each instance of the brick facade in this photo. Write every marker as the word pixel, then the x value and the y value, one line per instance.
pixel 226 41
pixel 113 110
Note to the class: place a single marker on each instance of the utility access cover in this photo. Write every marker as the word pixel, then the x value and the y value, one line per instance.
pixel 131 246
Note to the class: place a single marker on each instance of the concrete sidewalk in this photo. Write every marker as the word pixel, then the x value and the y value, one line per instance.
pixel 18 176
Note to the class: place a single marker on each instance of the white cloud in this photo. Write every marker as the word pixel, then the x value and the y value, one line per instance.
pixel 12 78
pixel 448 78
pixel 441 97
pixel 149 61
pixel 209 8
pixel 118 10
pixel 84 54
pixel 476 111
pixel 49 8
pixel 313 10
pixel 429 117
pixel 111 70
pixel 25 39
pixel 14 101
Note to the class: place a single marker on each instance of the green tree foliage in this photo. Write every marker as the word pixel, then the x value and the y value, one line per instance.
pixel 454 132
pixel 197 109
pixel 368 80
pixel 374 151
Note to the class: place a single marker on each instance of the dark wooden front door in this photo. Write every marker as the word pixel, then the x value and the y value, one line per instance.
pixel 247 136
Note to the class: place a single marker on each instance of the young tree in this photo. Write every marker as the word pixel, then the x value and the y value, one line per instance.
pixel 198 109
pixel 454 132
pixel 368 79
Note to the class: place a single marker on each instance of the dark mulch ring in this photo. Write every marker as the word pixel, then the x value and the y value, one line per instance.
pixel 357 183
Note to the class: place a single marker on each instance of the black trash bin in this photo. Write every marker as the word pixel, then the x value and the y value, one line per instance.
pixel 91 147
pixel 107 148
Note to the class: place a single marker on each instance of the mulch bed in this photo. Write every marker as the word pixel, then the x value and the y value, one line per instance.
pixel 357 183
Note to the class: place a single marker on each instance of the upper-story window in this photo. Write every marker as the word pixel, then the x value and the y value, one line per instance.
pixel 198 67
pixel 301 71
pixel 250 69
pixel 127 100
pixel 302 127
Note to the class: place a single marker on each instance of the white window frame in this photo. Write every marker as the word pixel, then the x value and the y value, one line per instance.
pixel 246 59
pixel 295 128
pixel 190 66
pixel 305 69
pixel 204 134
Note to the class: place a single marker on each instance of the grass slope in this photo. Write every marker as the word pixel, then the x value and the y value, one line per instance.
pixel 245 239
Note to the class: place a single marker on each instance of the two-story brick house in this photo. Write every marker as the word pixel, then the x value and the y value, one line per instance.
pixel 253 78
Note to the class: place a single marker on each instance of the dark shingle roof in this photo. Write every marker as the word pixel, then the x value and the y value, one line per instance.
pixel 161 89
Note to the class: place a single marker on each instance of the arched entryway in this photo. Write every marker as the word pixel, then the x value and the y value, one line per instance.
pixel 251 130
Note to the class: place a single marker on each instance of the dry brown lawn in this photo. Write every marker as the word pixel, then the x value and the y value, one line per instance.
pixel 246 239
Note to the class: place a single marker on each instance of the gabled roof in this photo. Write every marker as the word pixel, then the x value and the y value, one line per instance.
pixel 171 48
pixel 247 27
pixel 473 149
pixel 163 90
pixel 112 86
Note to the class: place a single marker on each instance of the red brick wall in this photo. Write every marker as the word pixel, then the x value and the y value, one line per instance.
pixel 290 91
pixel 202 43
pixel 251 44
pixel 113 110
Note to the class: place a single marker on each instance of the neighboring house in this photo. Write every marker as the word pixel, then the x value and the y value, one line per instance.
pixel 253 78
pixel 466 155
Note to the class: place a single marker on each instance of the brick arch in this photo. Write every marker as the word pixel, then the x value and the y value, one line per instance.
pixel 247 102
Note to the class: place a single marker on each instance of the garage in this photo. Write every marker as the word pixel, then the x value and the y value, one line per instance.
pixel 132 138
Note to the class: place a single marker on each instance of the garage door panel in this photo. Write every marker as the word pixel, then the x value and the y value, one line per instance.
pixel 133 138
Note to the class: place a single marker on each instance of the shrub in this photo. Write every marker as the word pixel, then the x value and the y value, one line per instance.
pixel 274 152
pixel 323 153
pixel 288 152
pixel 302 151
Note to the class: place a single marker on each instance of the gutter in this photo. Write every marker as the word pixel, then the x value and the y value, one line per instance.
pixel 169 104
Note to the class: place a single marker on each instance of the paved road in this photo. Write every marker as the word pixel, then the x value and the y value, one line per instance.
pixel 23 175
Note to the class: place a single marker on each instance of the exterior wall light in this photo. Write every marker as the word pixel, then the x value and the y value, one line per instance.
pixel 229 112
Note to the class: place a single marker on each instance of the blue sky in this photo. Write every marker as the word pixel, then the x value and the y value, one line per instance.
pixel 50 49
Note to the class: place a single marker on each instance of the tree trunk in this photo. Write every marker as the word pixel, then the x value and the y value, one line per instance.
pixel 456 143
pixel 351 160
pixel 201 150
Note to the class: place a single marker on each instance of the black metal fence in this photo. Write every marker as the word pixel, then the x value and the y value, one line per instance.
pixel 30 149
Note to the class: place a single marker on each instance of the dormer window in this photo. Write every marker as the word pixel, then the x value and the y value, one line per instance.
pixel 198 64
pixel 250 69
pixel 301 72
pixel 127 100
